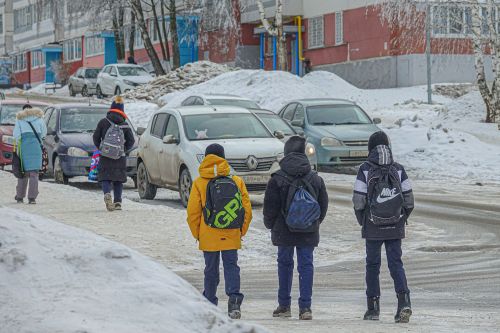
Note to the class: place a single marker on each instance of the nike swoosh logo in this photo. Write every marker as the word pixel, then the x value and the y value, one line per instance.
pixel 382 200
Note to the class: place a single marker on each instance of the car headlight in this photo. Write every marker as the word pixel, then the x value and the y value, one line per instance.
pixel 330 142
pixel 280 156
pixel 130 83
pixel 77 152
pixel 200 157
pixel 8 140
pixel 310 150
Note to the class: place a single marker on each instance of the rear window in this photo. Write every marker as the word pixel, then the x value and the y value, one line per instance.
pixel 91 73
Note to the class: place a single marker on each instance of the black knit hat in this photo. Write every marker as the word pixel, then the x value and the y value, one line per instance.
pixel 27 106
pixel 296 144
pixel 377 139
pixel 215 149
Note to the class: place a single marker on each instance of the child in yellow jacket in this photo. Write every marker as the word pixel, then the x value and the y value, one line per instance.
pixel 216 242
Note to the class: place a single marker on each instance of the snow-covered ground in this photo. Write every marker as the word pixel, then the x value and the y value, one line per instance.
pixel 40 90
pixel 57 278
pixel 446 141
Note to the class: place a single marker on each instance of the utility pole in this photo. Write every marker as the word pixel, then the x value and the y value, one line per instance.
pixel 428 50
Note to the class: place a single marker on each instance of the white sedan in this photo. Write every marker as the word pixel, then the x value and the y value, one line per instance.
pixel 172 147
pixel 117 78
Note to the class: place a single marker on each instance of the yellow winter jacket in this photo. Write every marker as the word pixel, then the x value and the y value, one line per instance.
pixel 212 239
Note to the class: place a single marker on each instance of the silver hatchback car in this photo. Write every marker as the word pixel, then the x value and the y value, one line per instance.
pixel 83 81
pixel 172 147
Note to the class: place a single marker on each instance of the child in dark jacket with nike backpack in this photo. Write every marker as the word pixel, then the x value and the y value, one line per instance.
pixel 383 201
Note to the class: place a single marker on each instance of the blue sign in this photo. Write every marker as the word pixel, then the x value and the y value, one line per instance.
pixel 5 71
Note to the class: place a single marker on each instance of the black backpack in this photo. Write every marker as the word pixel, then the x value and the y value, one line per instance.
pixel 223 208
pixel 385 196
pixel 302 210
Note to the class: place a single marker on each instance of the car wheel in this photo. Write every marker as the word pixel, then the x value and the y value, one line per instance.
pixel 99 93
pixel 71 91
pixel 146 189
pixel 59 175
pixel 85 92
pixel 185 183
pixel 118 91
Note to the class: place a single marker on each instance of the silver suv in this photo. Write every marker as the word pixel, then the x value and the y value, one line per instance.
pixel 83 81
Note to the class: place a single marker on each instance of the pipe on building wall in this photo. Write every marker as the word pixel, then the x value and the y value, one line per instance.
pixel 275 51
pixel 262 50
pixel 298 23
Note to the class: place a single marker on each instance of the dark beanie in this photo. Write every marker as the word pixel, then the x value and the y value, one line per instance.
pixel 27 106
pixel 215 149
pixel 296 144
pixel 377 139
pixel 117 104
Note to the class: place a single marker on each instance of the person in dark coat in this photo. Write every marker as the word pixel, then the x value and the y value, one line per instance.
pixel 113 173
pixel 131 60
pixel 294 165
pixel 375 236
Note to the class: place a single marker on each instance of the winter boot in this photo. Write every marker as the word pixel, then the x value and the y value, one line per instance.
pixel 32 201
pixel 118 206
pixel 373 312
pixel 282 312
pixel 108 200
pixel 305 314
pixel 19 200
pixel 234 307
pixel 404 308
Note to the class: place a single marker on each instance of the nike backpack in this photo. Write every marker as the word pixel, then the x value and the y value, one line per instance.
pixel 223 208
pixel 385 197
pixel 302 210
pixel 113 145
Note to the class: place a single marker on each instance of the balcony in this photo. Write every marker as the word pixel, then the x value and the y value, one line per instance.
pixel 250 12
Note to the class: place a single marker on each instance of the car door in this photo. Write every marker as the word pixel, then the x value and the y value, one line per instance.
pixel 111 80
pixel 170 154
pixel 106 80
pixel 154 145
pixel 77 82
pixel 50 142
pixel 101 77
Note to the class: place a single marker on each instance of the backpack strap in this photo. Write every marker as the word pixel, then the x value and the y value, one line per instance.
pixel 36 134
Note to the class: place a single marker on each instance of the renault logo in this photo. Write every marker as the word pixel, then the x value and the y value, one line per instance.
pixel 252 163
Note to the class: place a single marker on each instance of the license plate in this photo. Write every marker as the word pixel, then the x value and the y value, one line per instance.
pixel 358 153
pixel 255 179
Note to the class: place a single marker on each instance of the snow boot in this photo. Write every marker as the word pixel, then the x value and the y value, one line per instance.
pixel 108 200
pixel 305 314
pixel 404 308
pixel 118 206
pixel 234 307
pixel 282 312
pixel 19 200
pixel 32 201
pixel 373 312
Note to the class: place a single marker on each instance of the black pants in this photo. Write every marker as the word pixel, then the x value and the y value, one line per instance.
pixel 373 259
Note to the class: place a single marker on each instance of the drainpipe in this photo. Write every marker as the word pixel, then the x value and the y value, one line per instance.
pixel 262 51
pixel 275 51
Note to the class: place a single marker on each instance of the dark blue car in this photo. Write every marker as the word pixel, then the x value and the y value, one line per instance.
pixel 69 140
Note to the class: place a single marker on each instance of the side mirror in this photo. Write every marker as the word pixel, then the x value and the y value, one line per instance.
pixel 298 123
pixel 140 130
pixel 170 139
pixel 377 120
pixel 279 135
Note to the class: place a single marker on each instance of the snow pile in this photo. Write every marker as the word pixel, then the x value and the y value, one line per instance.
pixel 56 278
pixel 179 79
pixel 140 112
pixel 40 90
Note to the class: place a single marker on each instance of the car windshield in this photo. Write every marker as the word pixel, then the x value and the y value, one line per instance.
pixel 82 120
pixel 224 126
pixel 337 115
pixel 8 113
pixel 234 102
pixel 132 71
pixel 91 73
pixel 275 123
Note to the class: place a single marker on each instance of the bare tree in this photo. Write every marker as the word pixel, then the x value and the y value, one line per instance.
pixel 118 20
pixel 176 56
pixel 136 6
pixel 131 37
pixel 164 28
pixel 407 20
pixel 275 29
pixel 157 28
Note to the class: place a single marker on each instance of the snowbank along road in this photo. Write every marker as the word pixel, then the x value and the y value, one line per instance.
pixel 451 254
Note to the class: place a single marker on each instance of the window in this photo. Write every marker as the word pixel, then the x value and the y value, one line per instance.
pixel 112 71
pixel 339 28
pixel 52 124
pixel 46 117
pixel 440 20
pixel 316 32
pixel 173 128
pixel 23 19
pixel 37 59
pixel 159 125
pixel 94 45
pixel 72 50
pixel 19 63
pixel 153 33
pixel 138 42
pixel 456 20
pixel 299 113
pixel 1 24
pixel 289 111
pixel 188 101
pixel 456 17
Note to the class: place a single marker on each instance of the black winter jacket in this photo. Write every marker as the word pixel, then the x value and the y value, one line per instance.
pixel 109 169
pixel 294 165
pixel 381 155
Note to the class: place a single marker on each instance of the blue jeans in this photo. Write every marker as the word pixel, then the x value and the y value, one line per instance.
pixel 231 275
pixel 373 260
pixel 117 188
pixel 305 267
